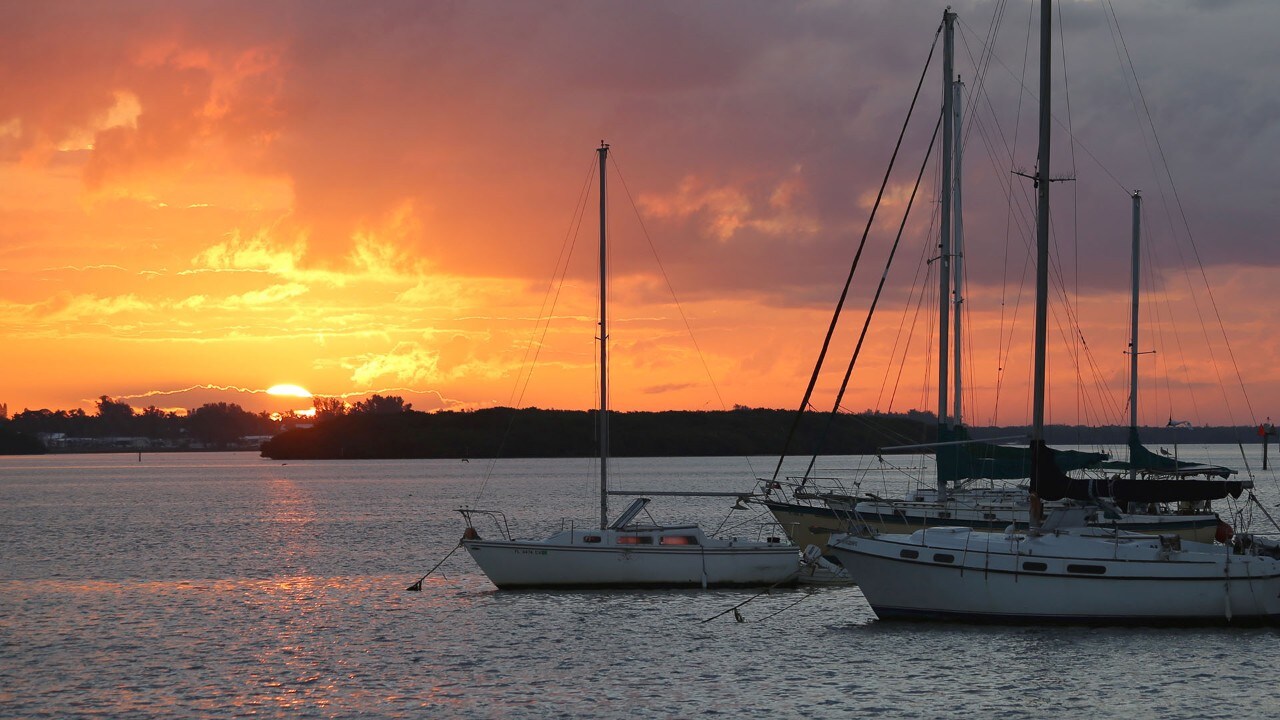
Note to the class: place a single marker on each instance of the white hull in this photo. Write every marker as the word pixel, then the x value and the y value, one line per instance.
pixel 1080 575
pixel 615 559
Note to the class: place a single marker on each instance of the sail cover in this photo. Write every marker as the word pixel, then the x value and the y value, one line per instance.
pixel 1050 483
pixel 1149 463
pixel 973 459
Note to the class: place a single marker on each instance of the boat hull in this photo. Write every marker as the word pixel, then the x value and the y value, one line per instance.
pixel 814 525
pixel 511 564
pixel 902 518
pixel 807 525
pixel 954 574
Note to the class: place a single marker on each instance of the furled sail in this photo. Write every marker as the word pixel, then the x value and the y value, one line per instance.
pixel 1050 483
pixel 968 459
pixel 1149 463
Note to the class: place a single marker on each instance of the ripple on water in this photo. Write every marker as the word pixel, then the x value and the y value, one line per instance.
pixel 217 587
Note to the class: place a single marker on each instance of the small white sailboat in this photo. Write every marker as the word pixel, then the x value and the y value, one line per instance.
pixel 1060 570
pixel 625 553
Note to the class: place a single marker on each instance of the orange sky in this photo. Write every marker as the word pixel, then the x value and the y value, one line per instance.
pixel 201 200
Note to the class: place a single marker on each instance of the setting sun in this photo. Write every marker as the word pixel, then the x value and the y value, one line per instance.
pixel 288 391
pixel 214 198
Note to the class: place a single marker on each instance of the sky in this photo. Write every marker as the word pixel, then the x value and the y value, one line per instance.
pixel 200 201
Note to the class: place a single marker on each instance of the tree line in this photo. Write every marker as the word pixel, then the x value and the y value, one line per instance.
pixel 215 426
pixel 388 427
pixel 534 432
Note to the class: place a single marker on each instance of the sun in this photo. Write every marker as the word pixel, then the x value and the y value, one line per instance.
pixel 289 391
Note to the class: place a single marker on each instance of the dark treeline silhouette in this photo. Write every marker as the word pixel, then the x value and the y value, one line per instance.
pixel 507 432
pixel 387 427
pixel 116 425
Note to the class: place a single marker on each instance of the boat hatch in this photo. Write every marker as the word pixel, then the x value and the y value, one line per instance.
pixel 630 513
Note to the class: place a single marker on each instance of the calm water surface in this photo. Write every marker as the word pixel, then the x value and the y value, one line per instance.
pixel 225 585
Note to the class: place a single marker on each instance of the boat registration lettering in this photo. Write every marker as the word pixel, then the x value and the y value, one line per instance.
pixel 520 551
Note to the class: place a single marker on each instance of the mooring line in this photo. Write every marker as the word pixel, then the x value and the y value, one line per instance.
pixel 417 587
pixel 737 615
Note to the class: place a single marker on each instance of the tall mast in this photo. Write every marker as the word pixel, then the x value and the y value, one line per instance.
pixel 603 414
pixel 957 249
pixel 944 246
pixel 1042 262
pixel 1133 329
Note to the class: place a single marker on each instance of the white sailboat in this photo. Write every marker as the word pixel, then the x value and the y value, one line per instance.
pixel 1060 570
pixel 625 553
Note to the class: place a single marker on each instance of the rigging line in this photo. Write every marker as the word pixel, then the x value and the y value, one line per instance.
pixel 916 287
pixel 982 65
pixel 566 253
pixel 1006 342
pixel 1190 238
pixel 1071 317
pixel 931 319
pixel 918 291
pixel 571 240
pixel 1028 91
pixel 884 430
pixel 1162 303
pixel 826 343
pixel 1081 354
pixel 1004 182
pixel 875 300
pixel 1181 352
pixel 1075 202
pixel 644 230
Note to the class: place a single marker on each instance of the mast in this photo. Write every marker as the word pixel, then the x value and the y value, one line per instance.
pixel 944 247
pixel 1133 331
pixel 1042 263
pixel 957 249
pixel 603 415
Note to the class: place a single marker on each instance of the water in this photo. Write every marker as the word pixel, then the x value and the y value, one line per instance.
pixel 225 585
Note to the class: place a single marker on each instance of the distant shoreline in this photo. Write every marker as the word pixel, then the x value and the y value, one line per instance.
pixel 536 433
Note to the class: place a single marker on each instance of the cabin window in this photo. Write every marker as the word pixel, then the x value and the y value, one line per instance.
pixel 1035 566
pixel 635 540
pixel 1087 569
pixel 591 538
pixel 678 540
pixel 944 558
pixel 909 554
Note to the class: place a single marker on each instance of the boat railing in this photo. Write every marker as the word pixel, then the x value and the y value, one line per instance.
pixel 498 518
pixel 810 488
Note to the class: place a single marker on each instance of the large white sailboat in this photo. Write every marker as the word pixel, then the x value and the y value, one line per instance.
pixel 625 553
pixel 812 509
pixel 1058 569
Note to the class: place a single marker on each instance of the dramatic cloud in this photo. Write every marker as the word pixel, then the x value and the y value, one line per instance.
pixel 353 196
